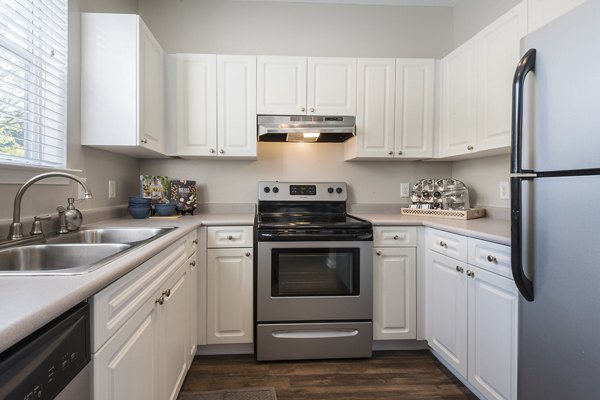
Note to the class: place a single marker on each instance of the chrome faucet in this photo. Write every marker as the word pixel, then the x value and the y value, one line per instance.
pixel 16 228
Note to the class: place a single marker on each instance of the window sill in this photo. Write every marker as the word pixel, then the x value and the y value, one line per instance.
pixel 11 174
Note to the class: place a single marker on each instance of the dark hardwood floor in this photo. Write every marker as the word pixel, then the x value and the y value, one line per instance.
pixel 387 375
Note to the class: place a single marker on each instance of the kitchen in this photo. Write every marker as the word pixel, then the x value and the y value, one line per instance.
pixel 214 27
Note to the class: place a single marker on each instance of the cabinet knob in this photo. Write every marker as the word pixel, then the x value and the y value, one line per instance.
pixel 144 141
pixel 303 109
pixel 221 151
pixel 195 241
pixel 492 259
pixel 160 300
pixel 211 151
pixel 471 273
pixel 193 263
pixel 400 153
pixel 248 254
pixel 460 269
pixel 312 109
pixel 378 253
pixel 229 237
pixel 391 153
pixel 444 244
pixel 469 147
pixel 166 293
pixel 396 237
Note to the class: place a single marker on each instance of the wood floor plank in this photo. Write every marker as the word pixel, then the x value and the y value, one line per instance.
pixel 387 375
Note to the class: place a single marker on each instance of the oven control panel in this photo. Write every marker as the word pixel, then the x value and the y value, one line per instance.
pixel 294 191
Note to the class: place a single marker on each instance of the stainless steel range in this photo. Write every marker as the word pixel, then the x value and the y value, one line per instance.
pixel 314 286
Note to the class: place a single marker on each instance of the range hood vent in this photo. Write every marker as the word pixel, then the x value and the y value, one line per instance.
pixel 305 128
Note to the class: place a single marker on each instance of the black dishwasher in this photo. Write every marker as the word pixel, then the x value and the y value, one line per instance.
pixel 50 362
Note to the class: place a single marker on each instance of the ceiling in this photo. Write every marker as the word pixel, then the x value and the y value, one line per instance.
pixel 437 3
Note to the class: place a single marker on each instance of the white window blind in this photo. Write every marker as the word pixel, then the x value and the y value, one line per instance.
pixel 33 82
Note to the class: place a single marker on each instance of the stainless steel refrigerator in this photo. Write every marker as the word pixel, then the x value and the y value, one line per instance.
pixel 555 207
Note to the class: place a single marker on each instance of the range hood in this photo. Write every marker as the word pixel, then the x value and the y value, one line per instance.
pixel 305 128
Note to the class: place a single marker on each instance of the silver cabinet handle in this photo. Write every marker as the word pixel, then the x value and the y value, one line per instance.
pixel 312 109
pixel 211 151
pixel 166 293
pixel 396 237
pixel 144 140
pixel 492 259
pixel 400 153
pixel 193 263
pixel 303 109
pixel 160 300
pixel 444 244
pixel 229 237
pixel 248 254
pixel 221 151
pixel 469 147
pixel 195 241
pixel 471 273
pixel 391 153
pixel 378 253
pixel 460 269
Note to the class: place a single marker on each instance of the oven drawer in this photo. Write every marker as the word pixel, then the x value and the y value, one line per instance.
pixel 229 236
pixel 314 341
pixel 394 236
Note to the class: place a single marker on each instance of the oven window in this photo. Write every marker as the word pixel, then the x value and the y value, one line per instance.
pixel 315 272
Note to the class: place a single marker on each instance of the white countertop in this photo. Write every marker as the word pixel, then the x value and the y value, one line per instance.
pixel 29 302
pixel 493 230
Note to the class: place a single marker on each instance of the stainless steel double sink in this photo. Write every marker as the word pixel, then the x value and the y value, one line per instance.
pixel 74 253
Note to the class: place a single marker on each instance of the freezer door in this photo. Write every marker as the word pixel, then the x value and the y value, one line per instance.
pixel 562 95
pixel 559 340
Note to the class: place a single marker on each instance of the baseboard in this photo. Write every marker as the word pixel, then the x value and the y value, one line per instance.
pixel 388 345
pixel 225 349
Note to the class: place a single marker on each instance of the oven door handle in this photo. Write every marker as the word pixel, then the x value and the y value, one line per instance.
pixel 314 333
pixel 315 236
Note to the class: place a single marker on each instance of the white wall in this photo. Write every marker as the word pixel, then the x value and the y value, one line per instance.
pixel 98 166
pixel 240 27
pixel 470 16
pixel 236 181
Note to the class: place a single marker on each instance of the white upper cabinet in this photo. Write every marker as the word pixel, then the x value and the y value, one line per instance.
pixel 281 85
pixel 306 86
pixel 414 108
pixel 476 88
pixel 122 85
pixel 540 12
pixel 394 115
pixel 216 105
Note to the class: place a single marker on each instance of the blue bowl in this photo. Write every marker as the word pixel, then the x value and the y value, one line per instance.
pixel 139 200
pixel 139 212
pixel 164 210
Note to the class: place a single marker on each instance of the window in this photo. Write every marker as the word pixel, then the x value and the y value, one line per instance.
pixel 33 82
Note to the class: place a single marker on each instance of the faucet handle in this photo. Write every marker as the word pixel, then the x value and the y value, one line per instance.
pixel 36 228
pixel 62 220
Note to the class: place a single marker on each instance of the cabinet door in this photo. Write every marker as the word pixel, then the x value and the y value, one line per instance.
pixel 126 366
pixel 236 96
pixel 394 294
pixel 493 302
pixel 174 332
pixel 459 92
pixel 499 53
pixel 196 104
pixel 414 108
pixel 374 111
pixel 281 85
pixel 447 309
pixel 229 297
pixel 540 12
pixel 331 86
pixel 152 91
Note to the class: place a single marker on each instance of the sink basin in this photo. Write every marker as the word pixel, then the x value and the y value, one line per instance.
pixel 57 259
pixel 110 235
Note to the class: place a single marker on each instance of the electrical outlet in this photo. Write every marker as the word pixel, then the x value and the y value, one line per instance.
pixel 504 191
pixel 404 190
pixel 80 190
pixel 112 189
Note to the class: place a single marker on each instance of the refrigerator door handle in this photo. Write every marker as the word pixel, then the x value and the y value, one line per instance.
pixel 526 65
pixel 523 283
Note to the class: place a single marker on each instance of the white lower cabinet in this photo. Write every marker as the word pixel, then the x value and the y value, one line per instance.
pixel 394 283
pixel 472 320
pixel 148 356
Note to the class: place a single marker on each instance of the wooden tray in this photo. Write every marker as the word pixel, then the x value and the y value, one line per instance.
pixel 471 213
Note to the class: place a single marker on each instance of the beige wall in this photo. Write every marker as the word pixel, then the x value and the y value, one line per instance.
pixel 238 27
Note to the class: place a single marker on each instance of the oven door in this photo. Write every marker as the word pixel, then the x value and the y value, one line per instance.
pixel 315 281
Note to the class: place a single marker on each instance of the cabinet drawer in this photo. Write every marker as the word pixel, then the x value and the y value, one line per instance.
pixel 449 244
pixel 394 236
pixel 490 256
pixel 229 236
pixel 114 305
